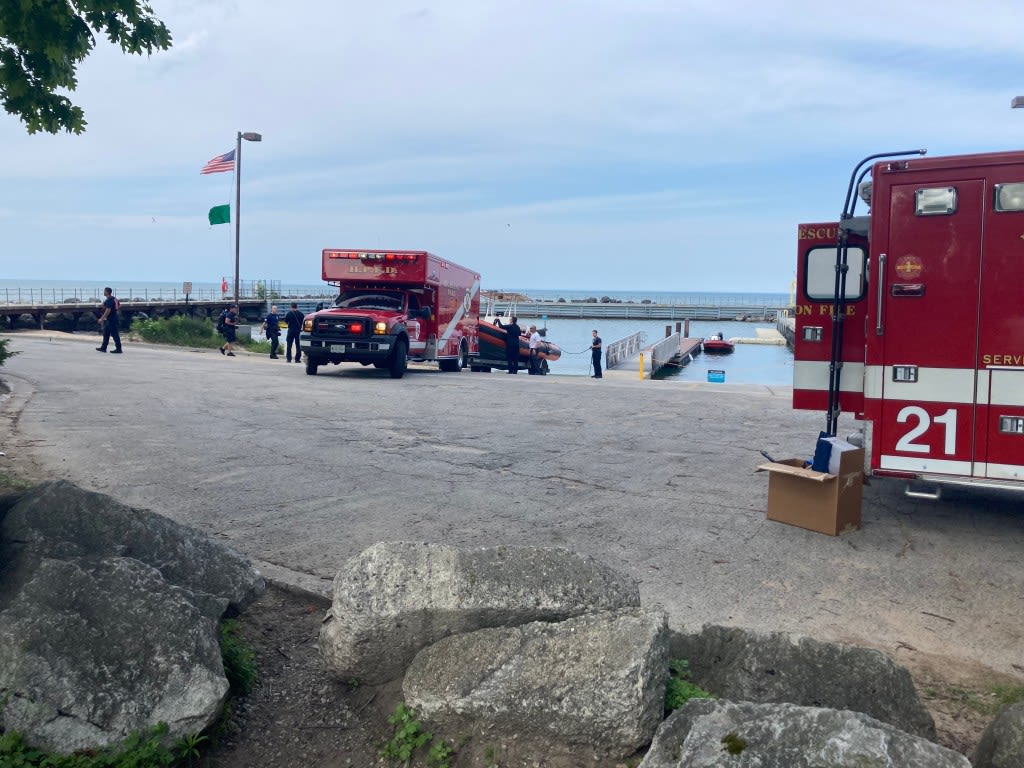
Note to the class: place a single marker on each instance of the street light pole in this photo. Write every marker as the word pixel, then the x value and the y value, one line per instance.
pixel 248 136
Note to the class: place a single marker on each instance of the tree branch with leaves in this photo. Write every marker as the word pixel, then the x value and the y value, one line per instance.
pixel 42 42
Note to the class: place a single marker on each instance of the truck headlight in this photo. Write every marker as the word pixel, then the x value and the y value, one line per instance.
pixel 380 328
pixel 307 325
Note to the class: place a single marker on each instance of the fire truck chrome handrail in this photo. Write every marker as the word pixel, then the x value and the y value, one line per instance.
pixel 881 293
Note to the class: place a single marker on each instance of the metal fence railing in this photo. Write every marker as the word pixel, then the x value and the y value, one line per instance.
pixel 619 351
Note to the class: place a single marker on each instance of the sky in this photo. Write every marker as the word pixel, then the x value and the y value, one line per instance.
pixel 649 145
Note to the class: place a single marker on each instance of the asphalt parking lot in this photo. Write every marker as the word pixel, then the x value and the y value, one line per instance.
pixel 654 478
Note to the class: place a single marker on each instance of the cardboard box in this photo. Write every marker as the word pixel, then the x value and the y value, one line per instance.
pixel 817 501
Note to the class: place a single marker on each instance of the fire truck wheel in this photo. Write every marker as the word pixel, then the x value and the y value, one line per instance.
pixel 311 366
pixel 397 368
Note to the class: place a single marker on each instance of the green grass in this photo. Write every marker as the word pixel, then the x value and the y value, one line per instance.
pixel 680 689
pixel 239 658
pixel 140 750
pixel 184 331
pixel 4 352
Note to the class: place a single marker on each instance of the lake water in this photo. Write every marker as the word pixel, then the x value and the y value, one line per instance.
pixel 748 364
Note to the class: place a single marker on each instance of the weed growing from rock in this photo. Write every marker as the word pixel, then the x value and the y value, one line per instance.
pixel 680 689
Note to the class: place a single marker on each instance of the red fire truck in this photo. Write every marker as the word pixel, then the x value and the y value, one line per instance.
pixel 911 317
pixel 392 307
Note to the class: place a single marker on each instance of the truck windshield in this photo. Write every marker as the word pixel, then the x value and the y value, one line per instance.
pixel 390 302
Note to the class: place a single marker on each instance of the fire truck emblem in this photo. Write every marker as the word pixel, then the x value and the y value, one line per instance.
pixel 908 267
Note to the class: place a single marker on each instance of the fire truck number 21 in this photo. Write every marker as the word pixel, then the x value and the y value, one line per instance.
pixel 924 421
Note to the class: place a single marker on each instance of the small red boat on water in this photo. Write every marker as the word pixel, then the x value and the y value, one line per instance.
pixel 717 345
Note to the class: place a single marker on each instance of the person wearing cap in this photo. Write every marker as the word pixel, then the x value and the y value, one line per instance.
pixel 534 351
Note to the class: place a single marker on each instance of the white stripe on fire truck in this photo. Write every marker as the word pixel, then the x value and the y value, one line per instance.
pixel 946 385
pixel 813 375
pixel 1001 471
pixel 923 464
pixel 1007 386
pixel 457 316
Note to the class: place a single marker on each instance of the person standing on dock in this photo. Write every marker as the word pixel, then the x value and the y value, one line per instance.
pixel 512 334
pixel 534 351
pixel 294 319
pixel 109 321
pixel 595 354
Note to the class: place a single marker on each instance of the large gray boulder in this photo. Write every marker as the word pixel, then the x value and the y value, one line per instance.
pixel 742 665
pixel 60 520
pixel 1002 743
pixel 726 734
pixel 591 687
pixel 395 598
pixel 108 619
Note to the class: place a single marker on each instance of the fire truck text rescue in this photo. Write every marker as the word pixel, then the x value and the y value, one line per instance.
pixel 394 306
pixel 914 322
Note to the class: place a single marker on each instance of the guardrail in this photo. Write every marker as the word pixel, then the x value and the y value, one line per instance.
pixel 623 349
pixel 249 290
pixel 626 311
pixel 663 352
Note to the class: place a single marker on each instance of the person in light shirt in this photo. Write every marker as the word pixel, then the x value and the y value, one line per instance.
pixel 534 351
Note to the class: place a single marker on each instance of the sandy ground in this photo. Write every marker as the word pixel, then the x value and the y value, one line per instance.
pixel 302 472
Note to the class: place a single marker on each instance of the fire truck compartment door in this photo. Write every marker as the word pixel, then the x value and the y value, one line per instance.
pixel 1002 392
pixel 929 345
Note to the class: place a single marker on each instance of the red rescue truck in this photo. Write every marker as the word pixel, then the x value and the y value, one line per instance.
pixel 392 307
pixel 911 317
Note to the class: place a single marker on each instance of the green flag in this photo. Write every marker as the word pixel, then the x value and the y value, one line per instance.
pixel 220 214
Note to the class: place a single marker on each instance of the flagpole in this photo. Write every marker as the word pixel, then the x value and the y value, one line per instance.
pixel 238 205
pixel 248 136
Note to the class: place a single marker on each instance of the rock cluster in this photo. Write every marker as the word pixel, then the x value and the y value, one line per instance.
pixel 531 655
pixel 108 619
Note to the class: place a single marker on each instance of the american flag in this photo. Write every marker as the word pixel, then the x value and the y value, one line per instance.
pixel 220 163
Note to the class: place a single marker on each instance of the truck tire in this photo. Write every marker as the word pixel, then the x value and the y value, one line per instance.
pixel 311 366
pixel 398 361
pixel 460 362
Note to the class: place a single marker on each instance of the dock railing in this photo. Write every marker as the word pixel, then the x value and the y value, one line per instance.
pixel 619 351
pixel 664 352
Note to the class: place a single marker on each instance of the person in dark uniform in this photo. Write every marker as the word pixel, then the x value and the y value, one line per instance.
pixel 595 354
pixel 230 316
pixel 512 334
pixel 109 321
pixel 294 319
pixel 272 329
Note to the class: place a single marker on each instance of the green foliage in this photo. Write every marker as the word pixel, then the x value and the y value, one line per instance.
pixel 140 750
pixel 239 658
pixel 42 44
pixel 439 754
pixel 180 330
pixel 187 747
pixel 1007 694
pixel 734 744
pixel 4 352
pixel 409 735
pixel 680 689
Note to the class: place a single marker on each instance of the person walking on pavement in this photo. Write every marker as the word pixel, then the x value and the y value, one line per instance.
pixel 534 351
pixel 294 319
pixel 272 329
pixel 512 334
pixel 595 354
pixel 230 321
pixel 109 321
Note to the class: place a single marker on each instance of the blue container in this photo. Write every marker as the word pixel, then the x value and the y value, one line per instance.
pixel 717 377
